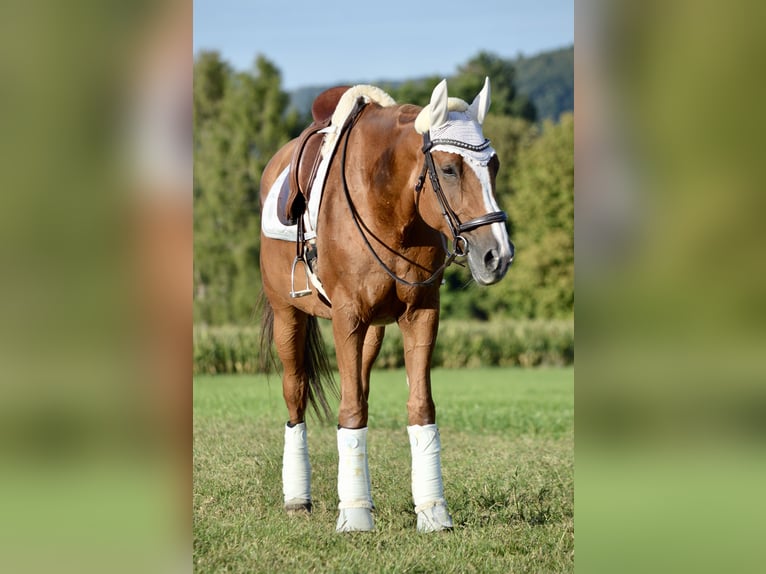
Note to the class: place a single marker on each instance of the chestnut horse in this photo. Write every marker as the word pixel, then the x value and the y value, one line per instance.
pixel 382 246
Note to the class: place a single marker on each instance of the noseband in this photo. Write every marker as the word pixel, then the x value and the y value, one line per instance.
pixel 459 243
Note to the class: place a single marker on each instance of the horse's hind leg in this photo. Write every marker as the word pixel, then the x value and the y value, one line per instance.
pixel 289 337
pixel 419 329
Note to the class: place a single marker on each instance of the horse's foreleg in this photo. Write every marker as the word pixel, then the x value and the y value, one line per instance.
pixel 373 340
pixel 355 506
pixel 372 343
pixel 349 334
pixel 419 329
pixel 289 335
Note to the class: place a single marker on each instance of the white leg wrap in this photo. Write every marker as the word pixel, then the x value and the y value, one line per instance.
pixel 296 470
pixel 353 482
pixel 427 485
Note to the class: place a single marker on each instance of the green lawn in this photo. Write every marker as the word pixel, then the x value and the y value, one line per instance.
pixel 507 459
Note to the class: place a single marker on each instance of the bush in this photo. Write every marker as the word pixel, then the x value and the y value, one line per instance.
pixel 526 343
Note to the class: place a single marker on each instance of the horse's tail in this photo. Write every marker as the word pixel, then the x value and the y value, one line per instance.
pixel 320 374
pixel 316 363
pixel 266 362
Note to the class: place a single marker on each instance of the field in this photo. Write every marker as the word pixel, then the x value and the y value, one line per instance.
pixel 508 465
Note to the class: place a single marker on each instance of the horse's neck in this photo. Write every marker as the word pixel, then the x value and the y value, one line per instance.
pixel 393 160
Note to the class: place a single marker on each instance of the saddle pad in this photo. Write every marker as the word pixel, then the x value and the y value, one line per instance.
pixel 272 222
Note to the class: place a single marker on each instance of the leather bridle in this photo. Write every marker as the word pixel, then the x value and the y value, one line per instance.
pixel 459 243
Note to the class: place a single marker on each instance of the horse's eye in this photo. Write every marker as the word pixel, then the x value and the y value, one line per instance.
pixel 449 170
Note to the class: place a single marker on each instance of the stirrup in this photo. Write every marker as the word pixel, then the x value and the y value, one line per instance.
pixel 307 291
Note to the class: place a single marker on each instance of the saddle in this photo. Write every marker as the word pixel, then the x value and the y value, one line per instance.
pixel 307 153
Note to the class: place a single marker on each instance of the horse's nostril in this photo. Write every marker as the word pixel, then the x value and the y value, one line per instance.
pixel 491 259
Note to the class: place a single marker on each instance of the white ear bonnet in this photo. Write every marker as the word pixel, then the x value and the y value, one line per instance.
pixel 451 119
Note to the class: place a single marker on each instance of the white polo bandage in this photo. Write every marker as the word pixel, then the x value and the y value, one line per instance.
pixel 296 470
pixel 353 471
pixel 427 485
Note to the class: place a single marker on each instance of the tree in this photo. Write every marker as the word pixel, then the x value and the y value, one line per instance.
pixel 238 132
pixel 541 210
pixel 506 99
pixel 211 75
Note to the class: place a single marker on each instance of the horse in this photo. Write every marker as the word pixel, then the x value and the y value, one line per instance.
pixel 382 239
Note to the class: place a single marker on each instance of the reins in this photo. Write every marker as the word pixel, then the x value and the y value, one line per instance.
pixel 459 243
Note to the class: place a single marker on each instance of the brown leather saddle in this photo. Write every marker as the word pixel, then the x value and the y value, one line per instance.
pixel 306 155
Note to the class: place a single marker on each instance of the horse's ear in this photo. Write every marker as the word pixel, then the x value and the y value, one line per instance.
pixel 478 109
pixel 439 104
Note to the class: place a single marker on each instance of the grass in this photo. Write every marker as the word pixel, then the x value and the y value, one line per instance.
pixel 508 465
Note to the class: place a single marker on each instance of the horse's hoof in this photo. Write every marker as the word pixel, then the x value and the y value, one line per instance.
pixel 355 520
pixel 298 507
pixel 434 519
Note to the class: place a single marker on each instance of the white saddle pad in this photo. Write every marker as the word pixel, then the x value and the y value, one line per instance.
pixel 273 222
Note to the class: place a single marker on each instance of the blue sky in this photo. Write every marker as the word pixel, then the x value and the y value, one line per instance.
pixel 320 42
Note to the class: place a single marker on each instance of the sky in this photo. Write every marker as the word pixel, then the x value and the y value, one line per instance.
pixel 317 43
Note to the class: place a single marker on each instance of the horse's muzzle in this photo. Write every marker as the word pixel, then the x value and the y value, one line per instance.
pixel 490 264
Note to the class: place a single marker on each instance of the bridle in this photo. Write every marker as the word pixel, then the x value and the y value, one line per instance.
pixel 457 228
pixel 459 243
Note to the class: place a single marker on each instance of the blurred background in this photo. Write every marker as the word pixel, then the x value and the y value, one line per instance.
pixel 95 286
pixel 96 295
pixel 670 397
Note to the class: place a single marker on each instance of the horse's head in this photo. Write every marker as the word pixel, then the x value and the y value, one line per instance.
pixel 462 167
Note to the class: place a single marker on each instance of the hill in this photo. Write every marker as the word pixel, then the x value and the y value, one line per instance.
pixel 547 78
